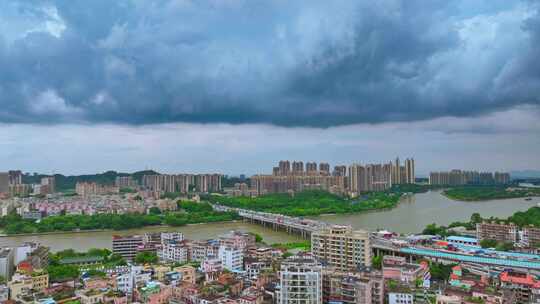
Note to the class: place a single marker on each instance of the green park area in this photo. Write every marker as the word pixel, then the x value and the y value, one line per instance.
pixel 309 203
pixel 481 193
pixel 188 213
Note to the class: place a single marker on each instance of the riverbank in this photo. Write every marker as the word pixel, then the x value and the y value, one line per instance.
pixel 3 235
pixel 189 213
pixel 312 203
pixel 485 193
pixel 411 215
pixel 414 212
pixel 103 239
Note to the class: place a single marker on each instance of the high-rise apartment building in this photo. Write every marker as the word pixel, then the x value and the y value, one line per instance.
pixel 4 182
pixel 311 168
pixel 183 183
pixel 341 247
pixel 409 171
pixel 501 178
pixel 459 177
pixel 284 167
pixel 372 177
pixel 300 279
pixel 48 185
pixel 86 189
pixel 298 168
pixel 15 177
pixel 324 169
pixel 361 178
pixel 265 184
pixel 340 171
pixel 125 182
pixel 396 172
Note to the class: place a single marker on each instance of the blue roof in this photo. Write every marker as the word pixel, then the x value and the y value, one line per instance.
pixel 500 253
pixel 46 301
pixel 473 259
pixel 462 239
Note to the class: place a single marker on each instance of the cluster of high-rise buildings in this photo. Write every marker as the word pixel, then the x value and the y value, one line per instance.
pixel 11 184
pixel 459 177
pixel 183 183
pixel 341 180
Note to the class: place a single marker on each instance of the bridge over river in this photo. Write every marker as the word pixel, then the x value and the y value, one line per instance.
pixel 304 228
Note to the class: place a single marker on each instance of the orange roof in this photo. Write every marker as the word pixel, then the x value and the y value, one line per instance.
pixel 528 279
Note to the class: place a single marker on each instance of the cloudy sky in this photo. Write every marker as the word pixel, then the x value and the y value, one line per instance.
pixel 235 85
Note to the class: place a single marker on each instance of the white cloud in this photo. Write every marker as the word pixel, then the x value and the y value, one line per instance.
pixel 52 24
pixel 49 102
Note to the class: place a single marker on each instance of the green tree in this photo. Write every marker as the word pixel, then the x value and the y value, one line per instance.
pixel 505 246
pixel 440 271
pixel 63 272
pixel 154 210
pixel 146 257
pixel 476 218
pixel 433 229
pixel 486 243
pixel 376 261
pixel 287 254
pixel 258 238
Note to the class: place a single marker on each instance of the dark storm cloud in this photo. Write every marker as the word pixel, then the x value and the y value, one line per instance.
pixel 291 63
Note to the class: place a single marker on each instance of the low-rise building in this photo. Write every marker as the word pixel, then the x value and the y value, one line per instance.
pixel 531 236
pixel 400 298
pixel 188 273
pixel 522 284
pixel 176 252
pixel 497 232
pixel 212 268
pixel 154 293
pixel 232 258
pixel 237 239
pixel 4 293
pixel 20 286
pixel 397 268
pixel 126 246
pixel 92 296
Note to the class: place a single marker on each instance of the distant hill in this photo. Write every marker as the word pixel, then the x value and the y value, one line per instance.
pixel 64 183
pixel 525 174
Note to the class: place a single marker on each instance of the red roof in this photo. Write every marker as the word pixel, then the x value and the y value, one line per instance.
pixel 525 279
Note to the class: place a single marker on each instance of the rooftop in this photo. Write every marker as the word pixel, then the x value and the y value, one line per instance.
pixel 462 239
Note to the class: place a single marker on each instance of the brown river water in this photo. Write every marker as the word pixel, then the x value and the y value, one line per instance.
pixel 411 215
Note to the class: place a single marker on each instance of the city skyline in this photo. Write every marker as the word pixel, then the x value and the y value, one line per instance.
pixel 269 152
pixel 220 91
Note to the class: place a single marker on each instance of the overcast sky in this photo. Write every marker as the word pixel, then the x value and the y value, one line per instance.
pixel 236 85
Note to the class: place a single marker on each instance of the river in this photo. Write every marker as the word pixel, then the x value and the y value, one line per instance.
pixel 411 215
pixel 415 212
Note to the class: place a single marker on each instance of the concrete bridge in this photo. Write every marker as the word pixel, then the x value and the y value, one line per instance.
pixel 292 225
